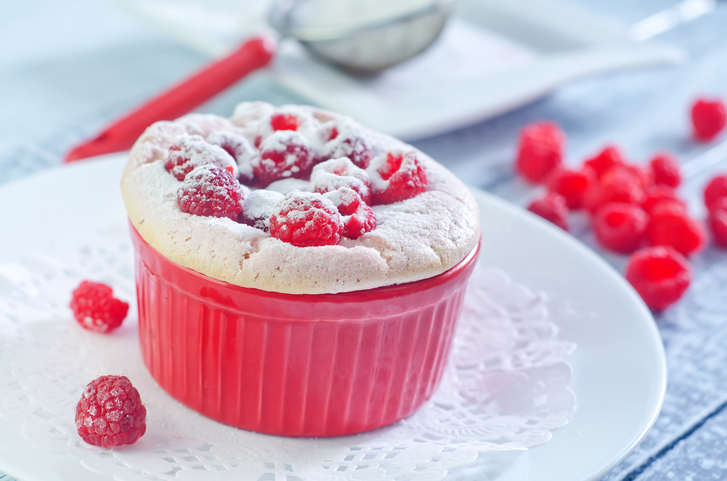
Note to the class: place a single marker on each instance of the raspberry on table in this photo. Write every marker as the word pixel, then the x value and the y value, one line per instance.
pixel 283 154
pixel 110 412
pixel 305 219
pixel 670 225
pixel 257 208
pixel 396 176
pixel 210 192
pixel 540 151
pixel 657 194
pixel 573 185
pixel 240 149
pixel 617 185
pixel 95 307
pixel 715 190
pixel 344 138
pixel 192 151
pixel 717 221
pixel 358 218
pixel 334 174
pixel 709 118
pixel 609 157
pixel 553 207
pixel 620 227
pixel 660 275
pixel 666 170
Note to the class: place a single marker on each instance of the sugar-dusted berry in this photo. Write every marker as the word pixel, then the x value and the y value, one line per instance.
pixel 345 138
pixel 285 121
pixel 95 307
pixel 358 218
pixel 666 170
pixel 283 154
pixel 396 176
pixel 240 149
pixel 110 413
pixel 709 118
pixel 258 206
pixel 306 219
pixel 715 190
pixel 608 158
pixel 540 151
pixel 573 185
pixel 660 275
pixel 210 192
pixel 620 227
pixel 670 225
pixel 192 151
pixel 341 172
pixel 553 207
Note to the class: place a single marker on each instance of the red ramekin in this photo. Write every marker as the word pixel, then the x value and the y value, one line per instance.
pixel 295 365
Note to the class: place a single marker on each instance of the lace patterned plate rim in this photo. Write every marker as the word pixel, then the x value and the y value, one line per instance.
pixel 619 367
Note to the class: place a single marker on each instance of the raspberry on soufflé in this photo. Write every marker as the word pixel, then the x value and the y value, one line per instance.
pixel 95 307
pixel 396 176
pixel 193 151
pixel 110 412
pixel 283 154
pixel 305 219
pixel 341 172
pixel 210 192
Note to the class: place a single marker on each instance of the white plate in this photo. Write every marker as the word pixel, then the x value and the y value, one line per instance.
pixel 492 57
pixel 619 365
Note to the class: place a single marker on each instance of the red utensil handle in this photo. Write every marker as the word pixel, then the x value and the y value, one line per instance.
pixel 180 99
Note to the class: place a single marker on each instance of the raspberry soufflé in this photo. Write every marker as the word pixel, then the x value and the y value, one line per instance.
pixel 297 274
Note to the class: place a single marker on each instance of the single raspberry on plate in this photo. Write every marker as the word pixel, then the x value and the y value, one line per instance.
pixel 657 194
pixel 620 227
pixel 660 275
pixel 715 190
pixel 210 192
pixel 396 176
pixel 609 157
pixel 718 222
pixel 283 154
pixel 540 151
pixel 358 218
pixel 95 307
pixel 345 138
pixel 192 151
pixel 666 170
pixel 708 118
pixel 617 185
pixel 573 185
pixel 553 207
pixel 670 225
pixel 258 206
pixel 336 173
pixel 240 149
pixel 305 219
pixel 110 412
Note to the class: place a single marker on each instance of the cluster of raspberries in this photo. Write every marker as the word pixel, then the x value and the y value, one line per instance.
pixel 631 206
pixel 338 177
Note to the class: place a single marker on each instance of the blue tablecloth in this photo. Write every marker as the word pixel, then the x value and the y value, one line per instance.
pixel 67 68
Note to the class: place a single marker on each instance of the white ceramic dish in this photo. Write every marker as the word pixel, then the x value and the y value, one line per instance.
pixel 493 56
pixel 619 365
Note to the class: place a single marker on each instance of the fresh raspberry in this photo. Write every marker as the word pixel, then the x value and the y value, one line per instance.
pixel 553 207
pixel 345 138
pixel 605 160
pixel 285 121
pixel 305 219
pixel 708 118
pixel 210 192
pixel 715 191
pixel 617 185
pixel 573 185
pixel 540 151
pixel 283 154
pixel 666 170
pixel 191 151
pixel 660 275
pixel 657 194
pixel 620 227
pixel 95 307
pixel 258 206
pixel 718 222
pixel 240 149
pixel 336 173
pixel 358 218
pixel 396 176
pixel 110 412
pixel 670 225
pixel 643 175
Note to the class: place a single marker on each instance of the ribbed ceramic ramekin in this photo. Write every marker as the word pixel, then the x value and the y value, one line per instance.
pixel 295 365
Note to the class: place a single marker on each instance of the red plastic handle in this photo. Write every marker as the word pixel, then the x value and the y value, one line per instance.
pixel 180 99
